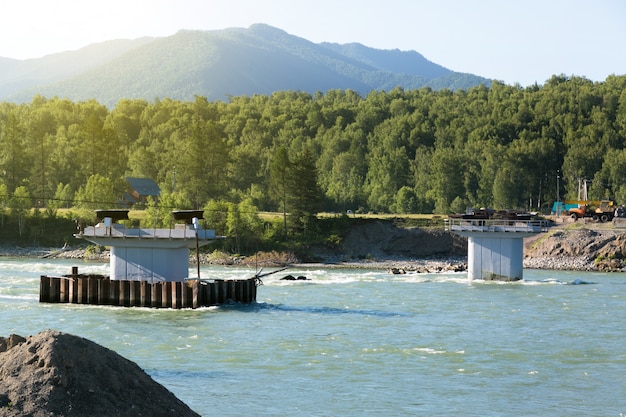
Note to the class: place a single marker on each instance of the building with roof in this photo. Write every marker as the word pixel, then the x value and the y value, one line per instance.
pixel 139 189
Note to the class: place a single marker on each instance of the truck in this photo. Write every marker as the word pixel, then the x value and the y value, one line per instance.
pixel 598 210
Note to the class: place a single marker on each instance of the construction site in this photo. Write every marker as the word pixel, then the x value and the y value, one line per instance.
pixel 596 211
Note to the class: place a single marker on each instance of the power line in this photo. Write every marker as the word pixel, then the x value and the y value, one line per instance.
pixel 73 202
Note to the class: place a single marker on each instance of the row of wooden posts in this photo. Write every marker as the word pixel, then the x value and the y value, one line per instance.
pixel 100 290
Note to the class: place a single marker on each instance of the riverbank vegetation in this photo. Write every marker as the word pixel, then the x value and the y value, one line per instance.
pixel 297 154
pixel 244 233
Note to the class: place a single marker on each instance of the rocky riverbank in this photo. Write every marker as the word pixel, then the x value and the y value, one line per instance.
pixel 580 263
pixel 380 244
pixel 578 247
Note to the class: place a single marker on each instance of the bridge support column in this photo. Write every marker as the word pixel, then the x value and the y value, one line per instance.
pixel 495 257
pixel 495 248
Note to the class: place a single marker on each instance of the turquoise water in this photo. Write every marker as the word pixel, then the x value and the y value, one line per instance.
pixel 363 342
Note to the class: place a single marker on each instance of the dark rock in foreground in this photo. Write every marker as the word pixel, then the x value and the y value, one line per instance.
pixel 58 374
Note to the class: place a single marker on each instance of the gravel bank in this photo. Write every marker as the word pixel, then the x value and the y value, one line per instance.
pixel 581 263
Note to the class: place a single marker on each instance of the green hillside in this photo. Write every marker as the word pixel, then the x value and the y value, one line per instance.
pixel 401 151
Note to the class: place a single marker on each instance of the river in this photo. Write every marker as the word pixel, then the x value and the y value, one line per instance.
pixel 356 342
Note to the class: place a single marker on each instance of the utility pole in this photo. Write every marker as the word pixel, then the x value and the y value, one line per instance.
pixel 558 192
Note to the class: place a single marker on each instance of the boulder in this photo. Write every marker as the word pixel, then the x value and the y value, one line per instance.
pixel 59 374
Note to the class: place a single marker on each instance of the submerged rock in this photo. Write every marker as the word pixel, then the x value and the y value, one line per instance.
pixel 292 278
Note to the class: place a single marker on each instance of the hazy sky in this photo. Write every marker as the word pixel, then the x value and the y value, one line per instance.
pixel 515 41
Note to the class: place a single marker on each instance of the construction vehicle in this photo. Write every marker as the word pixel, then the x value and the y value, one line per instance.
pixel 598 210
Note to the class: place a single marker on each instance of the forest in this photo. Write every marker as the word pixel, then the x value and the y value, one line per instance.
pixel 397 151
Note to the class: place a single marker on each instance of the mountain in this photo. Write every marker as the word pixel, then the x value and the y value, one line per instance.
pixel 16 75
pixel 217 64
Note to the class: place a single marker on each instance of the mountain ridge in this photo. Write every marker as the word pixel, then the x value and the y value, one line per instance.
pixel 217 64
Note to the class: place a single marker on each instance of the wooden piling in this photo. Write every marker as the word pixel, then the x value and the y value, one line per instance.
pixel 185 296
pixel 144 294
pixel 114 293
pixel 124 295
pixel 209 293
pixel 103 291
pixel 64 290
pixel 54 288
pixel 155 295
pixel 80 283
pixel 71 296
pixel 99 290
pixel 133 293
pixel 215 289
pixel 196 294
pixel 175 295
pixel 223 292
pixel 166 294
pixel 44 289
pixel 92 288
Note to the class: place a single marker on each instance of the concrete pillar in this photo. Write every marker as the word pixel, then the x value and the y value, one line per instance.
pixel 495 257
pixel 495 248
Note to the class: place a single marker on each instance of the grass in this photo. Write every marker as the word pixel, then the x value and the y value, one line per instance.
pixel 380 216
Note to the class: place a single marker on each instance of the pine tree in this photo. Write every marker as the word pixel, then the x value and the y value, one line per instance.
pixel 279 174
pixel 304 196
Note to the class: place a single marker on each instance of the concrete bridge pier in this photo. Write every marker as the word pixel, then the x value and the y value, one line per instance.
pixel 495 257
pixel 495 248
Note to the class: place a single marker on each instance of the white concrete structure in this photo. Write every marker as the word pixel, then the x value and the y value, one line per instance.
pixel 148 254
pixel 495 248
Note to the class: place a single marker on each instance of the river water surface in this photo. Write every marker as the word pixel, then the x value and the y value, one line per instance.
pixel 355 342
